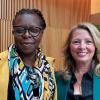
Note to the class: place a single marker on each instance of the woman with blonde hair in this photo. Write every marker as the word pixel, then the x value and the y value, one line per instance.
pixel 81 78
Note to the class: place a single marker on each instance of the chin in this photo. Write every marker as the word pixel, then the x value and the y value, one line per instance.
pixel 27 52
pixel 83 60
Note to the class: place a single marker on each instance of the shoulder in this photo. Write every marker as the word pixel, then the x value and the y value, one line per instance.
pixel 3 55
pixel 62 85
pixel 60 79
pixel 51 61
pixel 3 58
pixel 4 74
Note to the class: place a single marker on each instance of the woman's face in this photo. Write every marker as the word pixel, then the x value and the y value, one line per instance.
pixel 82 46
pixel 27 33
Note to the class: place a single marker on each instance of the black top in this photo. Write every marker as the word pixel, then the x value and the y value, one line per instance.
pixel 87 87
pixel 11 94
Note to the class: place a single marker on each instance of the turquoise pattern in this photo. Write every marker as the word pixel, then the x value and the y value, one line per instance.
pixel 28 80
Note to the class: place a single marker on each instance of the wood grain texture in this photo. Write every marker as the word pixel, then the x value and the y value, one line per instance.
pixel 60 16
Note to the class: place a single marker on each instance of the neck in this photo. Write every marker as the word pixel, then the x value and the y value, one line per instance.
pixel 83 67
pixel 28 59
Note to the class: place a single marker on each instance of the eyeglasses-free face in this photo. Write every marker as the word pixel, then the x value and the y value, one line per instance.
pixel 82 46
pixel 21 30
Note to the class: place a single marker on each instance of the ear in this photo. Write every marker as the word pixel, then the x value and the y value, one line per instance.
pixel 42 31
pixel 41 35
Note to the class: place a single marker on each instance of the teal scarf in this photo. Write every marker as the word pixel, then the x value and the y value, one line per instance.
pixel 30 83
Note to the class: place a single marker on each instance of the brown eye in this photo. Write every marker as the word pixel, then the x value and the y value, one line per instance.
pixel 75 42
pixel 35 30
pixel 19 30
pixel 89 42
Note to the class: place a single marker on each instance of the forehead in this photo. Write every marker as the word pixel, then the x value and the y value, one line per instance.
pixel 81 34
pixel 27 19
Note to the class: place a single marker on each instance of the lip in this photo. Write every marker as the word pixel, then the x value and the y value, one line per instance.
pixel 28 44
pixel 82 53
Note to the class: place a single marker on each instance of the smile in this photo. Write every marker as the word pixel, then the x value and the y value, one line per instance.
pixel 27 44
pixel 82 53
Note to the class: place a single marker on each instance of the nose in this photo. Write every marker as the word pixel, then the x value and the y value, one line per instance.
pixel 27 34
pixel 82 45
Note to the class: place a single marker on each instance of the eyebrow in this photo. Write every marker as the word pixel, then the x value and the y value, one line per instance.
pixel 28 27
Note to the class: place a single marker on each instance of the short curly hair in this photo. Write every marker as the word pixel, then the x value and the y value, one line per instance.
pixel 30 11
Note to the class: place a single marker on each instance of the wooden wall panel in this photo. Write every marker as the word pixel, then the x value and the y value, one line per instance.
pixel 0 35
pixel 0 9
pixel 60 16
pixel 31 3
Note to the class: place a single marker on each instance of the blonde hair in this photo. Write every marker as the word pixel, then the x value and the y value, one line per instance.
pixel 69 61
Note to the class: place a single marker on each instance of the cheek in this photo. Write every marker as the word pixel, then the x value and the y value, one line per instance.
pixel 39 38
pixel 17 40
pixel 73 49
pixel 92 49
